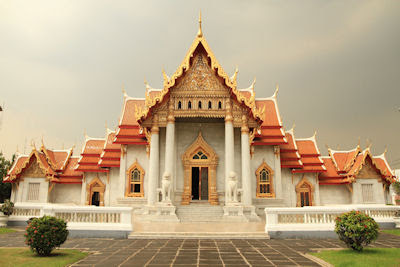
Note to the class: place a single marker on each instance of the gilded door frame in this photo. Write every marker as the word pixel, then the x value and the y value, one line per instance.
pixel 299 189
pixel 96 185
pixel 211 163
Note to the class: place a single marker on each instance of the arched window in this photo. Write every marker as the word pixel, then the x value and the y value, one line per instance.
pixel 135 176
pixel 200 155
pixel 199 104
pixel 190 105
pixel 209 105
pixel 179 105
pixel 264 176
pixel 219 105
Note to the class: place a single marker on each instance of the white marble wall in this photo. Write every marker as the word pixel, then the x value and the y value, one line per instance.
pixel 22 194
pixel 334 195
pixel 66 193
pixel 378 193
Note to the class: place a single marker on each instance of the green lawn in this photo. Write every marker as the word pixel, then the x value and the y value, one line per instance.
pixel 6 230
pixel 392 231
pixel 25 257
pixel 369 257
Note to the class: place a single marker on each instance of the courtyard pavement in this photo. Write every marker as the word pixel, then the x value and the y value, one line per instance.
pixel 198 252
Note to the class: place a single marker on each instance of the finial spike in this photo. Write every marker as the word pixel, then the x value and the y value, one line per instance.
pixel 359 141
pixel 276 90
pixel 386 149
pixel 123 90
pixel 200 33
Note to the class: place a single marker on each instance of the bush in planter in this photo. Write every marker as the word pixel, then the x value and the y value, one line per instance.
pixel 356 229
pixel 45 233
pixel 7 208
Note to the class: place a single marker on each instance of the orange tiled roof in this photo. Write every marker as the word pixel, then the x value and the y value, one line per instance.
pixel 70 175
pixel 129 130
pixel 55 165
pixel 271 130
pixel 310 156
pixel 344 166
pixel 110 157
pixel 90 156
pixel 343 160
pixel 290 157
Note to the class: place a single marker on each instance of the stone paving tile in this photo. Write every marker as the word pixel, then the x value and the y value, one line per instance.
pixel 181 252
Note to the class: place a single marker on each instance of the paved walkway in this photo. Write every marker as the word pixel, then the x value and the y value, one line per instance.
pixel 189 252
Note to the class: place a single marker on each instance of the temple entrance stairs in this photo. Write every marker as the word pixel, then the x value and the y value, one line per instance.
pixel 200 213
pixel 199 221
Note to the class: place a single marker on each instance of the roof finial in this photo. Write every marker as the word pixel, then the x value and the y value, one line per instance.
pixel 386 149
pixel 276 90
pixel 123 90
pixel 359 141
pixel 42 141
pixel 200 33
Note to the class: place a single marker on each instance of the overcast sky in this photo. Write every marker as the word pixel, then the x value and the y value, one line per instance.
pixel 62 64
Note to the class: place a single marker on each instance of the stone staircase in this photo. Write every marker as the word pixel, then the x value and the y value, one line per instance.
pixel 198 212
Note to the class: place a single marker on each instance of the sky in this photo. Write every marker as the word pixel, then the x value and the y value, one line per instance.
pixel 337 63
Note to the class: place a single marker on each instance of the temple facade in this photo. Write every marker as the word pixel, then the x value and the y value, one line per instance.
pixel 200 140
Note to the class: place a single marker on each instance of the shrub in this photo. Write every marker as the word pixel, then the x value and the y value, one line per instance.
pixel 45 233
pixel 396 187
pixel 356 229
pixel 7 208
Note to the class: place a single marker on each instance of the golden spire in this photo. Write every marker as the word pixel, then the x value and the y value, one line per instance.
pixel 200 33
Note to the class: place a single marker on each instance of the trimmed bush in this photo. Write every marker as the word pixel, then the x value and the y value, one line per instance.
pixel 45 233
pixel 7 208
pixel 356 229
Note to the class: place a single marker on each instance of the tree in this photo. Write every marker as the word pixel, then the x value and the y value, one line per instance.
pixel 5 188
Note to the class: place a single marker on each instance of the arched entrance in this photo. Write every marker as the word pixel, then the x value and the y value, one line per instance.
pixel 200 164
pixel 304 190
pixel 95 192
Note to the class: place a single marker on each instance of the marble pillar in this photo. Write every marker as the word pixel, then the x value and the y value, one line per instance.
pixel 154 163
pixel 246 174
pixel 229 145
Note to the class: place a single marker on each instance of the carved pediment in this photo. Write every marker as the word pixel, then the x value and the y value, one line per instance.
pixel 33 170
pixel 368 171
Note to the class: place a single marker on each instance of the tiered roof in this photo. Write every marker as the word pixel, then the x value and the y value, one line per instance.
pixel 110 157
pixel 57 165
pixel 129 130
pixel 271 130
pixel 290 157
pixel 344 166
pixel 310 156
pixel 90 155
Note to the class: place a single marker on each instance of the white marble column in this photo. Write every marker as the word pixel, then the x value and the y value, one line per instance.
pixel 83 191
pixel 170 143
pixel 170 140
pixel 122 172
pixel 277 172
pixel 229 145
pixel 154 163
pixel 246 178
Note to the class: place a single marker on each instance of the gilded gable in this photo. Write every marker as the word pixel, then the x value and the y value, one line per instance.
pixel 33 170
pixel 368 171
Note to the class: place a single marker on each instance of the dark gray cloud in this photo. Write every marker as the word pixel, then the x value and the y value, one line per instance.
pixel 62 63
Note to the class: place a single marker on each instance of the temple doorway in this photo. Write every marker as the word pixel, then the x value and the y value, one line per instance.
pixel 200 164
pixel 95 192
pixel 199 183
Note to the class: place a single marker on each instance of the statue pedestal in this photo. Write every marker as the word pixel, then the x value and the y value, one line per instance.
pixel 239 213
pixel 160 212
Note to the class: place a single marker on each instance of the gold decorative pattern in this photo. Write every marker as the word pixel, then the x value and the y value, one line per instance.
pixel 158 97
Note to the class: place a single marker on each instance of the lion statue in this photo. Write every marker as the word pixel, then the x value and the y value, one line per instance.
pixel 166 187
pixel 232 187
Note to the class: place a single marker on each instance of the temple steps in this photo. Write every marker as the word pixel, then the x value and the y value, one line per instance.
pixel 198 235
pixel 199 213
